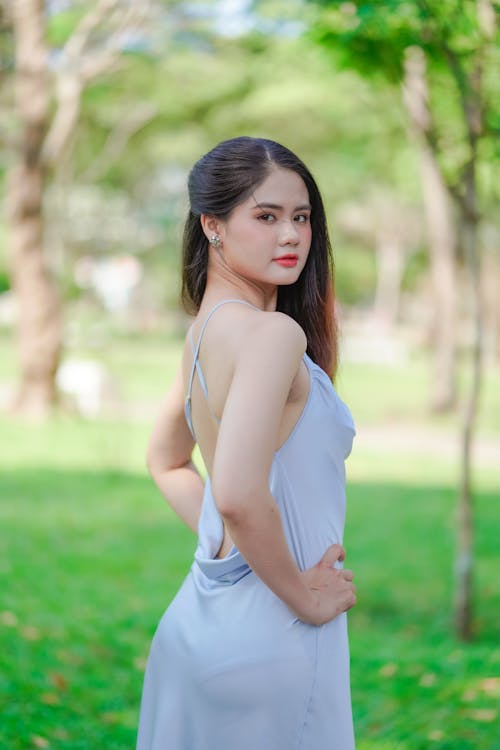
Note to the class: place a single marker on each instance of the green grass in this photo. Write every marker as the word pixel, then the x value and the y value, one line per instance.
pixel 410 677
pixel 381 393
pixel 90 556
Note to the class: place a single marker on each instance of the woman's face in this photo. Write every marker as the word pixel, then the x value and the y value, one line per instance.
pixel 267 238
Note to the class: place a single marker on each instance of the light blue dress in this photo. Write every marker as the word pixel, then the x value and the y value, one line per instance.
pixel 231 667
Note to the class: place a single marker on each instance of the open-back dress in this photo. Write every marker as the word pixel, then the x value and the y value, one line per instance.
pixel 231 667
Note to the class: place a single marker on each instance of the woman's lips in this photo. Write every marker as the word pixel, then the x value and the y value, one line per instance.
pixel 287 261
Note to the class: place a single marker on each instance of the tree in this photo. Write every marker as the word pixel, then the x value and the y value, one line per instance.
pixel 38 304
pixel 441 231
pixel 44 134
pixel 450 47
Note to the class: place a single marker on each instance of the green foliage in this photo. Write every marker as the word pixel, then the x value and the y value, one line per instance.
pixel 281 88
pixel 415 269
pixel 61 24
pixel 4 281
pixel 4 270
pixel 354 275
pixel 373 37
pixel 333 102
pixel 277 87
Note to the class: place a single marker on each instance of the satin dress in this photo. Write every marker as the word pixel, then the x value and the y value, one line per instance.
pixel 230 666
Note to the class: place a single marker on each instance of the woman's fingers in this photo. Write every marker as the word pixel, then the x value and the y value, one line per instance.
pixel 335 553
pixel 333 585
pixel 334 590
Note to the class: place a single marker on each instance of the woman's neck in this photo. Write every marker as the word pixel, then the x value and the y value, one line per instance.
pixel 219 289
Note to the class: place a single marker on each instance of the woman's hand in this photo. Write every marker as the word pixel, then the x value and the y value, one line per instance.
pixel 332 591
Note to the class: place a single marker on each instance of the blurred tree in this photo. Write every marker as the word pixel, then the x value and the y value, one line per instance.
pixel 45 129
pixel 393 229
pixel 440 230
pixel 219 87
pixel 451 47
pixel 38 304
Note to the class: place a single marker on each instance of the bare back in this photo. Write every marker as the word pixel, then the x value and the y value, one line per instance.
pixel 207 381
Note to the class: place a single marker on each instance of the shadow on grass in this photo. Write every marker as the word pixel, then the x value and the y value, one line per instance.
pixel 399 538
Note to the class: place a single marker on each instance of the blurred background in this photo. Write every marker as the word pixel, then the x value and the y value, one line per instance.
pixel 104 107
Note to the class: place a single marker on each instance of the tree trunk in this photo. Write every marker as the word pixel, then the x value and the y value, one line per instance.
pixel 390 267
pixel 470 227
pixel 39 325
pixel 441 233
pixel 473 105
pixel 465 536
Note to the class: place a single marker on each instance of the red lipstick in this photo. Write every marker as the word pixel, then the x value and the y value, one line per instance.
pixel 287 261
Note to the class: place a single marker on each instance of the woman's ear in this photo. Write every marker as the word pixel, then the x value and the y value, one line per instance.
pixel 210 225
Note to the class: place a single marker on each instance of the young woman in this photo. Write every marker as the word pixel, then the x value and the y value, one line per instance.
pixel 252 653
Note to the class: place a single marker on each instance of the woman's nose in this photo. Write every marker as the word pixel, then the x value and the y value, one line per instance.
pixel 289 233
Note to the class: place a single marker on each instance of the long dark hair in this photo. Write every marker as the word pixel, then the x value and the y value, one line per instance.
pixel 220 181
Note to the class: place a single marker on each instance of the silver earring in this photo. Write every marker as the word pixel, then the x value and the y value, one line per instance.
pixel 215 240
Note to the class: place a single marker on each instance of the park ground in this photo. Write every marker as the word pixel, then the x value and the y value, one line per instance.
pixel 90 556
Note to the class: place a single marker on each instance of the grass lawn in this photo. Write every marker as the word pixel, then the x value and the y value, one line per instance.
pixel 90 556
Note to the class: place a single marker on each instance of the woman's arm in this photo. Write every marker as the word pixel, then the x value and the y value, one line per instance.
pixel 169 457
pixel 245 449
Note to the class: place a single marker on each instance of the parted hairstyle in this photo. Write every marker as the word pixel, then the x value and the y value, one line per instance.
pixel 223 179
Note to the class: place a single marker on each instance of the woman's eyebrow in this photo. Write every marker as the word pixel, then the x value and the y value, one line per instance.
pixel 276 207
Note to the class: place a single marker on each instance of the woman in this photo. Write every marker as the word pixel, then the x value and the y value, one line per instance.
pixel 252 653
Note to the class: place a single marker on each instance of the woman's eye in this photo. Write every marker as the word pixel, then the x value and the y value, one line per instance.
pixel 268 218
pixel 302 218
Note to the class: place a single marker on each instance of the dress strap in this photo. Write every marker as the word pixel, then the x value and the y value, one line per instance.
pixel 196 365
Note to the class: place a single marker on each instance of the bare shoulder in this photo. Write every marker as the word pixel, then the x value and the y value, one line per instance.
pixel 273 336
pixel 245 339
pixel 277 327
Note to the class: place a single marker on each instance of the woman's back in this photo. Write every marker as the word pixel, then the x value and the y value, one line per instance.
pixel 214 343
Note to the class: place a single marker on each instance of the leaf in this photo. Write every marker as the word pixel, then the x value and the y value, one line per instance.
pixel 39 741
pixel 58 680
pixel 110 717
pixel 388 670
pixel 30 633
pixel 483 714
pixel 490 685
pixel 50 699
pixel 61 734
pixel 8 618
pixel 140 663
pixel 428 680
pixel 469 695
pixel 436 735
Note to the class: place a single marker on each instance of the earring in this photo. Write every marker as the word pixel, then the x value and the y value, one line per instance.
pixel 215 240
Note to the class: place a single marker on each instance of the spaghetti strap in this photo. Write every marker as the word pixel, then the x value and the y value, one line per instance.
pixel 196 365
